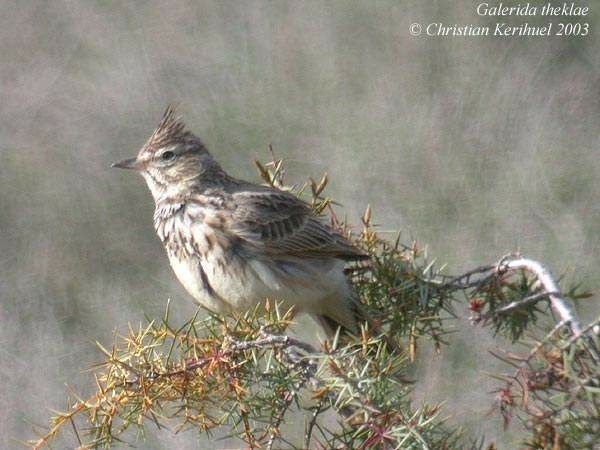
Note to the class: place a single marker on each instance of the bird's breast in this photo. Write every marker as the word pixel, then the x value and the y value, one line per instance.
pixel 192 275
pixel 224 274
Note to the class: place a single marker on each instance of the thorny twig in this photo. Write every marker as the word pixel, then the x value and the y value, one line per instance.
pixel 287 401
pixel 559 304
pixel 313 421
pixel 510 264
pixel 512 306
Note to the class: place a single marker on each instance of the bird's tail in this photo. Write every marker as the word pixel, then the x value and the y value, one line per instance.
pixel 347 318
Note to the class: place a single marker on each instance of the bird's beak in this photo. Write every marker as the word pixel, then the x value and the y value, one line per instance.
pixel 131 163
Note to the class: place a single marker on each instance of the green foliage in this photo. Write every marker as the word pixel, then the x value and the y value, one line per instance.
pixel 399 294
pixel 243 377
pixel 499 292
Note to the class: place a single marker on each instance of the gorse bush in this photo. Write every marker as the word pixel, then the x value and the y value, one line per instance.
pixel 244 377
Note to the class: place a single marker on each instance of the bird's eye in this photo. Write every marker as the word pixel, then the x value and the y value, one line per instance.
pixel 168 156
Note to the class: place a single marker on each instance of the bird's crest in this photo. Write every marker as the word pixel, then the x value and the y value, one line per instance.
pixel 170 130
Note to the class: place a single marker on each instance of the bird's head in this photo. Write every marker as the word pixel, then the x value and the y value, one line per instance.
pixel 172 160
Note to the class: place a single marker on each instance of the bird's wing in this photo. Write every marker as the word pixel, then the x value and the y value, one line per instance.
pixel 284 225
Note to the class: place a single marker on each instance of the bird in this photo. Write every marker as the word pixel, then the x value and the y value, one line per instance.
pixel 234 244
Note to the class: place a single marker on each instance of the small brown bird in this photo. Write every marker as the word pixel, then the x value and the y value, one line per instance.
pixel 233 243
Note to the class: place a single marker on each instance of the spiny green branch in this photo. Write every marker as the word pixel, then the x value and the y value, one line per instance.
pixel 244 376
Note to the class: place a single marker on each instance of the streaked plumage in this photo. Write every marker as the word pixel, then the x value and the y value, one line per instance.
pixel 232 243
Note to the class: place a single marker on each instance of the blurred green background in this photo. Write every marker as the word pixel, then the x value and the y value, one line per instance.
pixel 474 146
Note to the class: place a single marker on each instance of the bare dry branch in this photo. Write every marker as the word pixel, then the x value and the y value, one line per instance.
pixel 559 304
